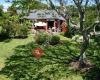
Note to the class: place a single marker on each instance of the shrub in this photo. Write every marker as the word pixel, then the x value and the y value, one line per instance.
pixel 67 34
pixel 54 40
pixel 41 38
pixel 3 34
pixel 23 31
pixel 7 31
pixel 12 27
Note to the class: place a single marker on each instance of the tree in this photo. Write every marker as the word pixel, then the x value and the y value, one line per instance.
pixel 12 10
pixel 62 9
pixel 81 6
pixel 1 10
pixel 83 30
pixel 1 14
pixel 26 5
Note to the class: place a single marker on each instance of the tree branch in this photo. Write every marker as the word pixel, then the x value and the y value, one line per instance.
pixel 86 4
pixel 92 26
pixel 52 5
pixel 77 3
pixel 81 1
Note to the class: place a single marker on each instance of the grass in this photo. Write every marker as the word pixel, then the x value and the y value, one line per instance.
pixel 7 49
pixel 63 38
pixel 51 66
pixel 7 46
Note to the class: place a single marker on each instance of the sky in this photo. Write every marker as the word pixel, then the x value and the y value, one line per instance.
pixel 5 4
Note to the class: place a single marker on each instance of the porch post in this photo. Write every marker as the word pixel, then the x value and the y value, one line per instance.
pixel 55 25
pixel 59 29
pixel 46 26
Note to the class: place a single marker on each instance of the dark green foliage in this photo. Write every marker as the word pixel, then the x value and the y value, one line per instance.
pixel 1 11
pixel 93 74
pixel 68 34
pixel 54 40
pixel 97 39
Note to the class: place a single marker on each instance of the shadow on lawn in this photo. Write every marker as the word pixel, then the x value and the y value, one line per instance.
pixel 92 74
pixel 6 40
pixel 94 56
pixel 52 65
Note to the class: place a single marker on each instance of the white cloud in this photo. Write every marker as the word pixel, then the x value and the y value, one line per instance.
pixel 6 6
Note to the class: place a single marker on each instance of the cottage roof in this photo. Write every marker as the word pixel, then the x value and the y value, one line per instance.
pixel 44 14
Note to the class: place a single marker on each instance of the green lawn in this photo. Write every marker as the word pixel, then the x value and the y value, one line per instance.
pixel 50 67
pixel 7 46
pixel 7 49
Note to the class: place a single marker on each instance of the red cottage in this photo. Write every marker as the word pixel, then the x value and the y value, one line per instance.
pixel 47 19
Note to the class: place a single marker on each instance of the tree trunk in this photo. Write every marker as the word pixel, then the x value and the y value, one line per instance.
pixel 81 21
pixel 85 43
pixel 98 18
pixel 84 46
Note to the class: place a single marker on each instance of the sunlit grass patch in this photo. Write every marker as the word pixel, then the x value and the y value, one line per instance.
pixel 4 77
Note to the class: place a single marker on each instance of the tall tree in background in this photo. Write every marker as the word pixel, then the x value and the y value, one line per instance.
pixel 26 5
pixel 12 10
pixel 1 10
pixel 62 9
pixel 1 15
pixel 97 2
